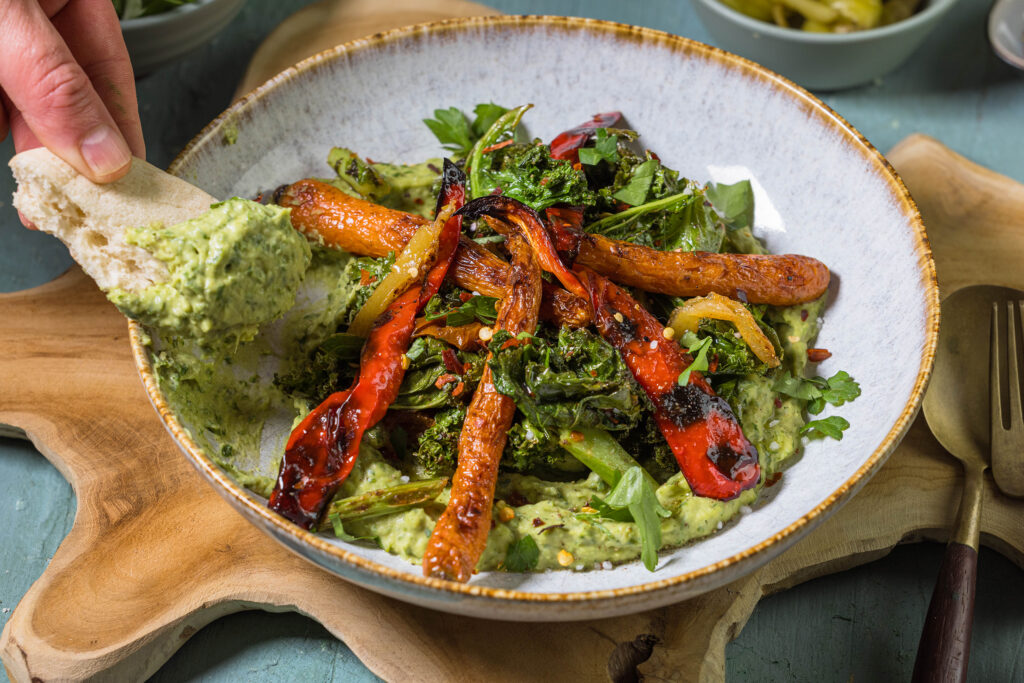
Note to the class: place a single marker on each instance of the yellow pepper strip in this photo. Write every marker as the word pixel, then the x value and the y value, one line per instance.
pixel 688 316
pixel 410 266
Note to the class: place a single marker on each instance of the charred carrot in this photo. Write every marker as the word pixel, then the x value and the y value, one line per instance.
pixel 715 457
pixel 323 212
pixel 326 214
pixel 322 450
pixel 459 538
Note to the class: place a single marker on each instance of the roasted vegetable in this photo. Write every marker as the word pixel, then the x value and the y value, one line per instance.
pixel 321 451
pixel 713 454
pixel 460 535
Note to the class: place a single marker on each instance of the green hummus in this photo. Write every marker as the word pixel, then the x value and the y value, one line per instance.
pixel 231 409
pixel 232 269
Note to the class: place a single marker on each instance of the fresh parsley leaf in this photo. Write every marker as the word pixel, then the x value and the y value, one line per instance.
pixel 734 203
pixel 452 130
pixel 486 115
pixel 838 389
pixel 700 361
pixel 832 426
pixel 635 493
pixel 606 148
pixel 634 192
pixel 522 555
pixel 841 388
pixel 482 308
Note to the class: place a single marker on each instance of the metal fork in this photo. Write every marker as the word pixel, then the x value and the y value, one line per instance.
pixel 1007 425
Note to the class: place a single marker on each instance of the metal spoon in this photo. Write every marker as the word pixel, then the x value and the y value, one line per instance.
pixel 1006 31
pixel 956 407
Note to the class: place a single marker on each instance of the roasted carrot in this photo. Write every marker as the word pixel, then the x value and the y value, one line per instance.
pixel 323 212
pixel 777 279
pixel 460 535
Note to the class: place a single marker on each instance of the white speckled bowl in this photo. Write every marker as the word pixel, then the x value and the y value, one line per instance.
pixel 822 191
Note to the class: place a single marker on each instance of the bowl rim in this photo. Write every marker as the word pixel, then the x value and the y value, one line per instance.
pixel 280 529
pixel 933 10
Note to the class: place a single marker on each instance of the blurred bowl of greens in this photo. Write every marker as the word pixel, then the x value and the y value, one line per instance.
pixel 823 44
pixel 157 32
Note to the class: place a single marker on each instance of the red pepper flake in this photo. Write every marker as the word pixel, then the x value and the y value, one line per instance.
pixel 497 190
pixel 418 201
pixel 496 146
pixel 803 315
pixel 576 436
pixel 778 402
pixel 465 296
pixel 370 161
pixel 774 479
pixel 365 278
pixel 544 180
pixel 459 388
pixel 593 373
pixel 452 363
pixel 713 365
pixel 537 521
pixel 818 355
pixel 445 380
pixel 577 166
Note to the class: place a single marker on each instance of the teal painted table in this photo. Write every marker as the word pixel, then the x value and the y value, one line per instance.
pixel 859 625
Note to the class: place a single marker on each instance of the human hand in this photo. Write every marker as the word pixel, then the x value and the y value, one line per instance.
pixel 66 83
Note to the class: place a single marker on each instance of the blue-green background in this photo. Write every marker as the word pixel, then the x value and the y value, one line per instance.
pixel 861 625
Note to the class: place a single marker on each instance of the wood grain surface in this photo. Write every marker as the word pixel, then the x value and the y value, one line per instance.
pixel 155 554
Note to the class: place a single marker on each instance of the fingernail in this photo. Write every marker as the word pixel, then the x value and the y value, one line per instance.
pixel 105 151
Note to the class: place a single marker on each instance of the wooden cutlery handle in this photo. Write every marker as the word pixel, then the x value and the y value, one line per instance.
pixel 946 638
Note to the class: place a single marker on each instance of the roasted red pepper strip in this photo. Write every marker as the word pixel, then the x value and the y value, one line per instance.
pixel 460 535
pixel 567 145
pixel 321 451
pixel 528 222
pixel 716 458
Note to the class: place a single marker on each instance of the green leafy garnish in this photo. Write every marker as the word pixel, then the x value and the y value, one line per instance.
pixel 700 361
pixel 734 203
pixel 522 556
pixel 635 191
pixel 635 494
pixel 452 129
pixel 486 115
pixel 832 426
pixel 482 308
pixel 817 391
pixel 606 148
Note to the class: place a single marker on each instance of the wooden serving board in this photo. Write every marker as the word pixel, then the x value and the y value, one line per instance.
pixel 155 554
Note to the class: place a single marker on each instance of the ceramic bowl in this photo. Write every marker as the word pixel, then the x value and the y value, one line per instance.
pixel 821 190
pixel 823 61
pixel 160 39
pixel 1006 31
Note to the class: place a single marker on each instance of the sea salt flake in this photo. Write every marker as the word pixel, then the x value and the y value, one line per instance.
pixel 745 509
pixel 773 423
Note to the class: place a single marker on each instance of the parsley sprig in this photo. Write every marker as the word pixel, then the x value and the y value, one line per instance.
pixel 700 361
pixel 837 390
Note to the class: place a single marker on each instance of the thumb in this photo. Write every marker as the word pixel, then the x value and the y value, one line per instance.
pixel 53 98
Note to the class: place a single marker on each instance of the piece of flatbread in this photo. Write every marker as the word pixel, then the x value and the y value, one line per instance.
pixel 92 219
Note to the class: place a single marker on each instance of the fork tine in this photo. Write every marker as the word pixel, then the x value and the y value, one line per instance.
pixel 994 379
pixel 1013 321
